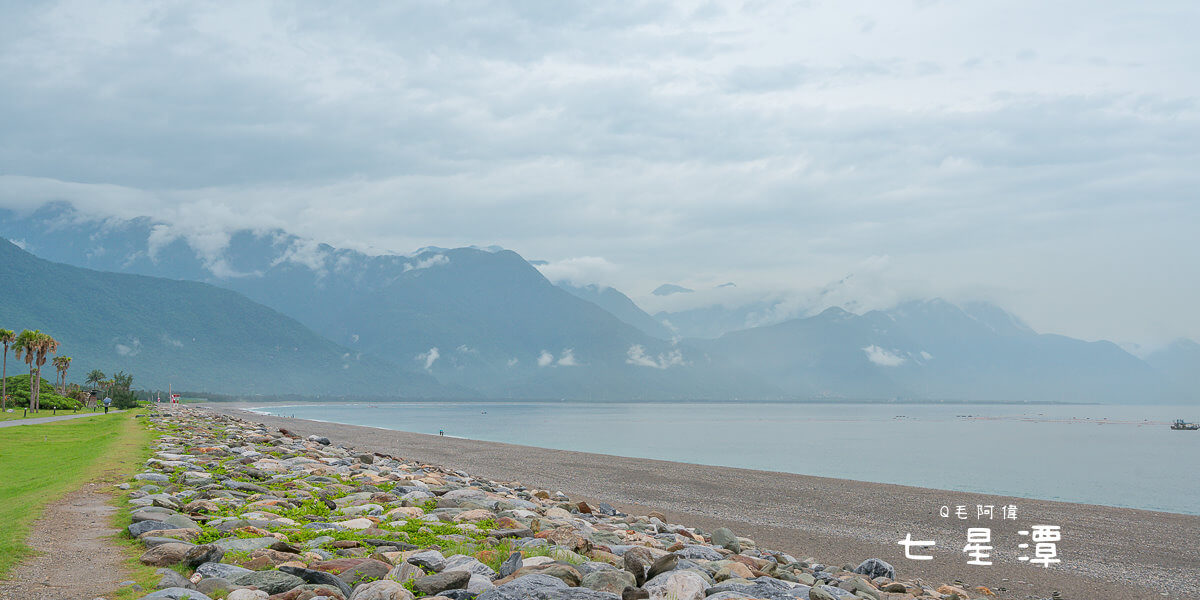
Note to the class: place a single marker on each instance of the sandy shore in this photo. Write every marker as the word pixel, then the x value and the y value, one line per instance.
pixel 1106 552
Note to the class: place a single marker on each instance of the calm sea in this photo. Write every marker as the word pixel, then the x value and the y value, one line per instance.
pixel 1112 455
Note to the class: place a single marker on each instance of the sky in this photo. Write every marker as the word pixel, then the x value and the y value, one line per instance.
pixel 1039 155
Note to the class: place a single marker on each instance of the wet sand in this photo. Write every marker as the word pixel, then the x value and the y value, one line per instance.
pixel 1107 553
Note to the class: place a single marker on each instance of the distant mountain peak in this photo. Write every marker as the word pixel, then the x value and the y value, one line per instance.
pixel 667 289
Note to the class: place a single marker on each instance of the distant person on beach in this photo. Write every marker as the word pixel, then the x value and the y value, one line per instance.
pixel 107 402
pixel 442 432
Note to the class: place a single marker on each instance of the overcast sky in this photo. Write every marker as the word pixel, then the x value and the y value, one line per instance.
pixel 1042 155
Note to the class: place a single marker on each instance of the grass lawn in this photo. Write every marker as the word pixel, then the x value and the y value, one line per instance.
pixel 40 463
pixel 18 412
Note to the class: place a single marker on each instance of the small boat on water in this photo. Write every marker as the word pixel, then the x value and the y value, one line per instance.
pixel 1180 425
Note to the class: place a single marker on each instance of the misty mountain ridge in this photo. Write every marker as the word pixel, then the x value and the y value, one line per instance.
pixel 191 335
pixel 485 319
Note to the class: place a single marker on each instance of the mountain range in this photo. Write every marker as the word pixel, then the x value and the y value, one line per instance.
pixel 268 312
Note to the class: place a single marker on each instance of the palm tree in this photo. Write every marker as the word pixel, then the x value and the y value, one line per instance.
pixel 6 337
pixel 94 377
pixel 45 345
pixel 61 364
pixel 25 346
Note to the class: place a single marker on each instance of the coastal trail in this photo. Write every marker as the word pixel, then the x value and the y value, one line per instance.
pixel 57 506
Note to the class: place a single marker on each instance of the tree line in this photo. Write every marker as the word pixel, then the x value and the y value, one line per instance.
pixel 34 348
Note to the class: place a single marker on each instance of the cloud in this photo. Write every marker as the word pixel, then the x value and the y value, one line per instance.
pixel 426 263
pixel 170 341
pixel 512 362
pixel 566 359
pixel 882 357
pixel 307 253
pixel 428 358
pixel 675 143
pixel 636 355
pixel 130 346
pixel 580 270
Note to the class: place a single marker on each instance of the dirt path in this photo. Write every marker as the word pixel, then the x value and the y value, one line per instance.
pixel 76 560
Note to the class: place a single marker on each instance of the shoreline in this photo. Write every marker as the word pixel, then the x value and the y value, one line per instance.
pixel 834 520
pixel 255 409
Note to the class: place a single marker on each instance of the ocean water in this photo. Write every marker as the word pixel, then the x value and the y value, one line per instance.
pixel 1097 454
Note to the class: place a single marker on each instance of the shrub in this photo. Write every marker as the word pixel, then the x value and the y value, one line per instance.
pixel 18 389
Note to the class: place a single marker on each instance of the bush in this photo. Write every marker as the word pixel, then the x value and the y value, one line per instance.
pixel 18 390
pixel 124 399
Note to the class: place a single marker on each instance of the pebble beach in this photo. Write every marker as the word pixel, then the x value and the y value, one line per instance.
pixel 240 505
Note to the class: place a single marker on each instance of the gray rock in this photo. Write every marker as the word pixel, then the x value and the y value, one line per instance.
pixel 429 559
pixel 150 513
pixel 592 566
pixel 151 541
pixel 724 538
pixel 319 578
pixel 662 565
pixel 198 555
pixel 221 570
pixel 637 560
pixel 384 589
pixel 511 564
pixel 431 585
pixel 698 552
pixel 172 579
pixel 462 562
pixel 478 584
pixel 524 588
pixel 367 570
pixel 874 567
pixel 181 522
pixel 244 544
pixel 165 555
pixel 141 527
pixel 612 581
pixel 271 582
pixel 213 586
pixel 176 594
pixel 159 477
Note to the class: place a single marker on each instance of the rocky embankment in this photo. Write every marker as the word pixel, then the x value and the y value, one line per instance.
pixel 233 509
